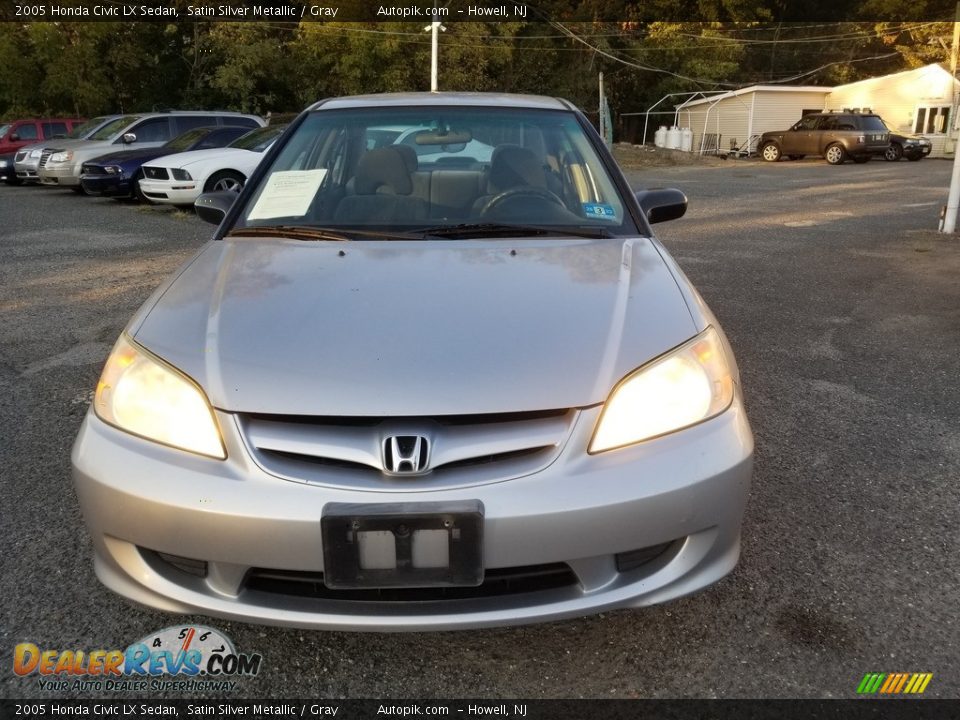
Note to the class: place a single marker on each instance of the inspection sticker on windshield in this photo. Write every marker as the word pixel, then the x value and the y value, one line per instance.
pixel 288 193
pixel 599 210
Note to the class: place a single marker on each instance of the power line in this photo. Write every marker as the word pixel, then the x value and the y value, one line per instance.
pixel 702 81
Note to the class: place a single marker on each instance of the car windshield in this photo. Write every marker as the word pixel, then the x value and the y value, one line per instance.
pixel 110 130
pixel 187 140
pixel 80 130
pixel 258 140
pixel 447 171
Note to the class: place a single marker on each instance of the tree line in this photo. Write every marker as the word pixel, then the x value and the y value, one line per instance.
pixel 90 68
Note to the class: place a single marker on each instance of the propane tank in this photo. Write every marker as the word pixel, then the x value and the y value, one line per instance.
pixel 686 139
pixel 673 138
pixel 660 137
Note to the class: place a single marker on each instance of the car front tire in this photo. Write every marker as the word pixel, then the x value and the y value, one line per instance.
pixel 835 154
pixel 893 153
pixel 225 180
pixel 770 152
pixel 136 194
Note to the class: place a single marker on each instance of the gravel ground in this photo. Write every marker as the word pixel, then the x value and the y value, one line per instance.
pixel 843 307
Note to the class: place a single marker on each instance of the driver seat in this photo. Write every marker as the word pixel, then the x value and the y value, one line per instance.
pixel 511 166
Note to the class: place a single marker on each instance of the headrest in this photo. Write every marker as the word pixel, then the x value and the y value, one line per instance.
pixel 512 166
pixel 409 156
pixel 386 166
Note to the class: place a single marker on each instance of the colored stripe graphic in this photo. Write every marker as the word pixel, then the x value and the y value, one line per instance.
pixel 894 683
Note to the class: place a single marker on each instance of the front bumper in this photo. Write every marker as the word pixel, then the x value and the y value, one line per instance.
pixel 7 169
pixel 916 151
pixel 27 168
pixel 65 174
pixel 688 489
pixel 108 185
pixel 170 192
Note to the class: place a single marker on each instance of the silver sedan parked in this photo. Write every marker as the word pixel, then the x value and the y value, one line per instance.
pixel 410 386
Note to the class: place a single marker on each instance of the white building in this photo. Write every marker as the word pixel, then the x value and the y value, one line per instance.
pixel 918 100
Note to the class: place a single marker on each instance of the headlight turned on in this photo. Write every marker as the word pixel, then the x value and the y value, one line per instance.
pixel 688 385
pixel 144 396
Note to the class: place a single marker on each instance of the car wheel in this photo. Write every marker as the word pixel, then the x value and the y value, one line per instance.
pixel 835 154
pixel 796 157
pixel 136 194
pixel 893 153
pixel 225 180
pixel 770 152
pixel 860 159
pixel 914 158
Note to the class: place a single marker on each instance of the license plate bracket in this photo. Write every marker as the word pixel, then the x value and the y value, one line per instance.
pixel 356 544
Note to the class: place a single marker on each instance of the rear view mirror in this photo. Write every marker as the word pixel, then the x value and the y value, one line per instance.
pixel 14 137
pixel 443 137
pixel 129 138
pixel 662 204
pixel 214 206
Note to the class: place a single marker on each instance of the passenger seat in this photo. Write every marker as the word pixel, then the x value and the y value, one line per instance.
pixel 383 190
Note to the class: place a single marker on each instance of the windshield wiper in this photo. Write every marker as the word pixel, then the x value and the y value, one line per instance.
pixel 468 230
pixel 306 232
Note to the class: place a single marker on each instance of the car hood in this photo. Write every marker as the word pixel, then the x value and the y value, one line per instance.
pixel 901 136
pixel 191 157
pixel 76 144
pixel 141 154
pixel 415 328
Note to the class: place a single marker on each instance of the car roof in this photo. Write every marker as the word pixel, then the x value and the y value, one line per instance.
pixel 435 99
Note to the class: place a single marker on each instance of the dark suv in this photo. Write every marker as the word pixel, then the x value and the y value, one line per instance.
pixel 834 135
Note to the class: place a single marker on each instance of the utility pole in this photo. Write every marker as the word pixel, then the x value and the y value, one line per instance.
pixel 603 120
pixel 948 223
pixel 435 27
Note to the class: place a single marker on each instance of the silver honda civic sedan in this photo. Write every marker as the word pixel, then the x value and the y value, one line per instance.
pixel 432 371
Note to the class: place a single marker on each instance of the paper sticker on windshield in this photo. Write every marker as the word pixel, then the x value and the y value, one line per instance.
pixel 288 193
pixel 600 211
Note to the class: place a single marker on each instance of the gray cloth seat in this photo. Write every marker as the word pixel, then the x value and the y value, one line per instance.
pixel 383 190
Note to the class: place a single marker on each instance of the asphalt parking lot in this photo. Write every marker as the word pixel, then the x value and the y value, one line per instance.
pixel 843 305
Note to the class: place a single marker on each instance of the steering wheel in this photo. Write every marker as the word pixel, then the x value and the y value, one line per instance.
pixel 525 191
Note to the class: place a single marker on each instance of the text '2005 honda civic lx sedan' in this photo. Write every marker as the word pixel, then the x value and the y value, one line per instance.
pixel 409 385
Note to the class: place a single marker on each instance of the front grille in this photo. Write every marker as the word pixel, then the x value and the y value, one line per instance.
pixel 496 583
pixel 44 156
pixel 356 452
pixel 155 173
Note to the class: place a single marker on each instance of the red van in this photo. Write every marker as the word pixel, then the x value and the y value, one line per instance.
pixel 17 133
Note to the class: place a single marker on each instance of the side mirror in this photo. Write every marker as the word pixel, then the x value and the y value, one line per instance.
pixel 213 206
pixel 14 137
pixel 129 138
pixel 662 204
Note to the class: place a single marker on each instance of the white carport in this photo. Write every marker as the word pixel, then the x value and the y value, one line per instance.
pixel 738 117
